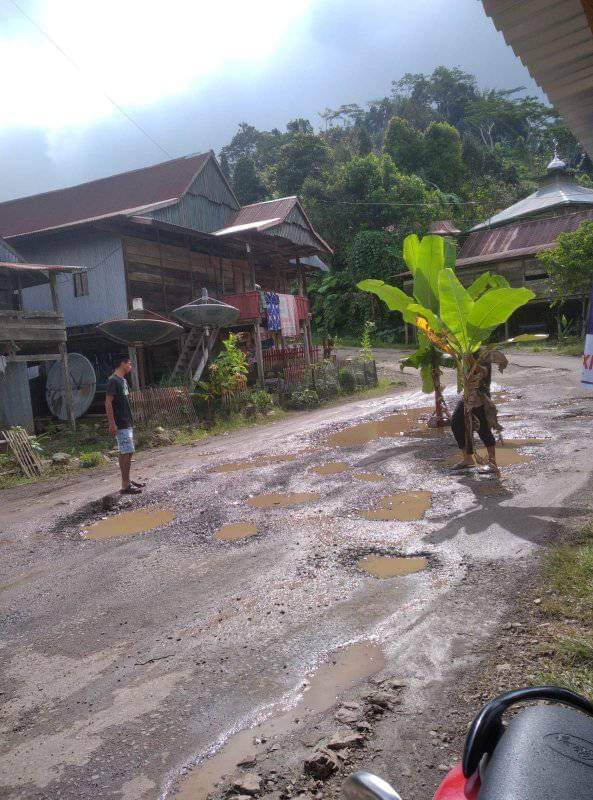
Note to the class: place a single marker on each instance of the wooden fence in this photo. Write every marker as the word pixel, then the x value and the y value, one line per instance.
pixel 288 365
pixel 166 406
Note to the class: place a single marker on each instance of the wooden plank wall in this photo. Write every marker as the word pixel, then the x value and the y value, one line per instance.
pixel 167 276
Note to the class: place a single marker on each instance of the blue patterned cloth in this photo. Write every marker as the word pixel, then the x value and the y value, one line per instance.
pixel 273 306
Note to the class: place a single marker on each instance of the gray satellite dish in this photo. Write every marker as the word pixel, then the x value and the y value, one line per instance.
pixel 207 312
pixel 83 381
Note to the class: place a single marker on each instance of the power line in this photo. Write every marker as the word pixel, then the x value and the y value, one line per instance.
pixel 81 70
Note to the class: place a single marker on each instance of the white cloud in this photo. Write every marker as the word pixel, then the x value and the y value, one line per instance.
pixel 136 51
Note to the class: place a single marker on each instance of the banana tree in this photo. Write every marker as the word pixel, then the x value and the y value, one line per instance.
pixel 462 326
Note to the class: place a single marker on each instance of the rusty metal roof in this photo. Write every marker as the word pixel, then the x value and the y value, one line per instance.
pixel 518 239
pixel 127 193
pixel 266 210
pixel 443 227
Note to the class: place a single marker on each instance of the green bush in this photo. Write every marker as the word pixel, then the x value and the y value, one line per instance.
pixel 262 401
pixel 347 380
pixel 303 399
pixel 91 459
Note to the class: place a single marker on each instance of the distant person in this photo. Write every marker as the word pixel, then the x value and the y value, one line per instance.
pixel 121 422
pixel 484 428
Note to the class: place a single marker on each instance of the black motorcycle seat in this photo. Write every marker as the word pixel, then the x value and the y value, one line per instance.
pixel 546 753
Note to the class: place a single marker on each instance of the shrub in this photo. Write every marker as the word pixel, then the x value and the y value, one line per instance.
pixel 347 380
pixel 303 399
pixel 92 459
pixel 261 400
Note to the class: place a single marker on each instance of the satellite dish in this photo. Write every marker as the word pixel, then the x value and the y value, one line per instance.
pixel 207 312
pixel 83 381
pixel 140 331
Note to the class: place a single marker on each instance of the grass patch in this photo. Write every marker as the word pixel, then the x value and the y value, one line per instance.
pixel 567 607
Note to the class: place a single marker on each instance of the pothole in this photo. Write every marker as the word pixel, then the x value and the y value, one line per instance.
pixel 234 532
pixel 371 477
pixel 254 463
pixel 343 670
pixel 393 425
pixel 129 523
pixel 401 507
pixel 505 456
pixel 391 566
pixel 276 500
pixel 331 468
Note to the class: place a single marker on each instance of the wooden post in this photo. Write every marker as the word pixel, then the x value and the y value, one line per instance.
pixel 302 278
pixel 55 300
pixel 163 285
pixel 307 344
pixel 134 373
pixel 258 354
pixel 141 367
pixel 251 263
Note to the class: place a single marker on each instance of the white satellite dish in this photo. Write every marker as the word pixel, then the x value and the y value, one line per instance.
pixel 83 381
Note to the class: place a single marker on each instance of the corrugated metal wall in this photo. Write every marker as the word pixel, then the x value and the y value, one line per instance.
pixel 101 253
pixel 296 229
pixel 207 206
pixel 6 253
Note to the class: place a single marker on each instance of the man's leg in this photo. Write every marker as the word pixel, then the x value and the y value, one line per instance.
pixel 125 461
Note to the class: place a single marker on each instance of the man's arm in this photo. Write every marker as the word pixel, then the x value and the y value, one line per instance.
pixel 109 412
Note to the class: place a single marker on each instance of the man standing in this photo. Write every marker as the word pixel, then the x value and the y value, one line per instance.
pixel 119 417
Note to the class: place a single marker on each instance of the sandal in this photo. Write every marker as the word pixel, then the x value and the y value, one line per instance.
pixel 489 469
pixel 137 484
pixel 130 490
pixel 461 466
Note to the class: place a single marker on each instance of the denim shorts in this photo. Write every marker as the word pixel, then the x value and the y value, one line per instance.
pixel 125 440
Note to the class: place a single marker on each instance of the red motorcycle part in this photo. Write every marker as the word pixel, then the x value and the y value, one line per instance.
pixel 456 786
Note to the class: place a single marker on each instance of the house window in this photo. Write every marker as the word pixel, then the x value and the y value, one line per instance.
pixel 81 284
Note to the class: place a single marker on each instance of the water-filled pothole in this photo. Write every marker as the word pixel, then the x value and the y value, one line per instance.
pixel 129 523
pixel 393 425
pixel 401 506
pixel 505 457
pixel 371 477
pixel 277 500
pixel 331 468
pixel 347 667
pixel 235 531
pixel 261 461
pixel 391 566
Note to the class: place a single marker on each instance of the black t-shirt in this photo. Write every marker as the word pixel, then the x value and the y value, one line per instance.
pixel 119 390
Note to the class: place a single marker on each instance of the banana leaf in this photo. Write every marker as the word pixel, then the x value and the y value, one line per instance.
pixel 484 282
pixel 456 306
pixel 492 309
pixel 394 298
pixel 411 249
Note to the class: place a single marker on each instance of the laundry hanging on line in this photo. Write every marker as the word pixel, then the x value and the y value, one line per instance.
pixel 273 309
pixel 288 315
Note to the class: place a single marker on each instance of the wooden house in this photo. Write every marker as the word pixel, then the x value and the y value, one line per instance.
pixel 508 242
pixel 28 337
pixel 161 234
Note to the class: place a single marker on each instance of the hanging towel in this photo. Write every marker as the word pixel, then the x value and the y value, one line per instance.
pixel 273 307
pixel 288 315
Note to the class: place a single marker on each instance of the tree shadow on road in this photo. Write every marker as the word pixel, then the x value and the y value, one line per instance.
pixel 531 523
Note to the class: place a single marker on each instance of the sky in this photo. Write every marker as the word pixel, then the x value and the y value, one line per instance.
pixel 104 87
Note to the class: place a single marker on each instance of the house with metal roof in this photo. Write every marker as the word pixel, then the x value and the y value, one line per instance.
pixel 160 234
pixel 508 242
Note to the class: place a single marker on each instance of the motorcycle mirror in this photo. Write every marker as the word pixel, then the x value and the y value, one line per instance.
pixel 364 785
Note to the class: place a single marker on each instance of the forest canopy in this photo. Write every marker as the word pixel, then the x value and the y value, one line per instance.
pixel 437 147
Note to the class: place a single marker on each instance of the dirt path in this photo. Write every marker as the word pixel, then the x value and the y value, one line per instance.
pixel 128 659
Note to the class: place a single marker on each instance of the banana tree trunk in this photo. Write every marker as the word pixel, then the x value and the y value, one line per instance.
pixel 440 406
pixel 467 408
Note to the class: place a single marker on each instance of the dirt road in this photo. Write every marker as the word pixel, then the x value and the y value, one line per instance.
pixel 127 660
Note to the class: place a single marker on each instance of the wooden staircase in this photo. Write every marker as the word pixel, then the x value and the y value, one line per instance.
pixel 195 353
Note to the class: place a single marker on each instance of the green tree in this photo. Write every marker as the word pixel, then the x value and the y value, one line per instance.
pixel 570 267
pixel 442 156
pixel 303 156
pixel 404 144
pixel 247 184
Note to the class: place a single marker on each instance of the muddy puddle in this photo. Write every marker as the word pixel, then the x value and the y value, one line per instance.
pixel 506 456
pixel 401 507
pixel 371 477
pixel 521 442
pixel 275 500
pixel 345 669
pixel 393 425
pixel 391 566
pixel 234 532
pixel 332 468
pixel 254 463
pixel 129 523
